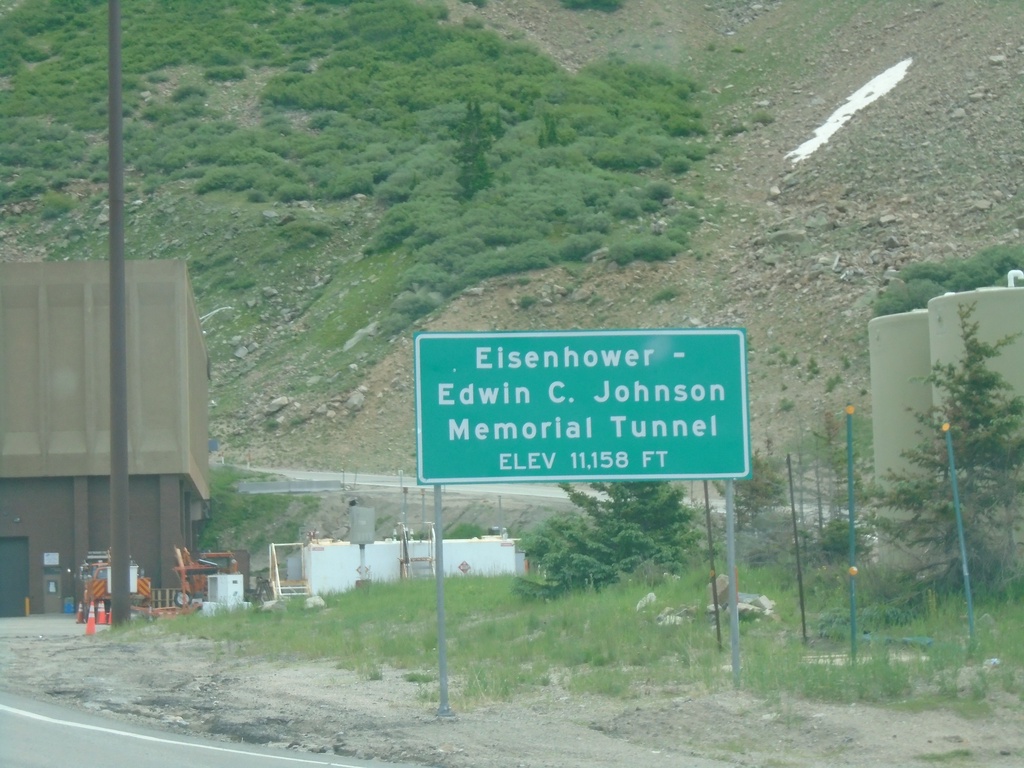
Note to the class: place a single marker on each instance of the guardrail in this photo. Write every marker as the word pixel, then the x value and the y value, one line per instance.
pixel 291 486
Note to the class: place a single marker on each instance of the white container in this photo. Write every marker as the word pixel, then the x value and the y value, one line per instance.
pixel 225 589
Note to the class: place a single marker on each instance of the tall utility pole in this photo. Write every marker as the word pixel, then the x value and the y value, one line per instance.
pixel 120 557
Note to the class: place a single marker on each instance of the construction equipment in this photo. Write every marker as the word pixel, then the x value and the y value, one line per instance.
pixel 193 573
pixel 187 597
pixel 94 576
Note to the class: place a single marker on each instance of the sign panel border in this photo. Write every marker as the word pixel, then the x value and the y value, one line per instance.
pixel 423 448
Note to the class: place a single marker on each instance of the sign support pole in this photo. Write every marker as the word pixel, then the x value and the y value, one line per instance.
pixel 960 532
pixel 715 599
pixel 443 709
pixel 734 587
pixel 853 534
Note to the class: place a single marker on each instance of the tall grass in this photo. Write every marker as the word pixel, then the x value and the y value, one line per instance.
pixel 501 646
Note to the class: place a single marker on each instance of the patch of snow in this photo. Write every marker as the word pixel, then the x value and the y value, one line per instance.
pixel 875 89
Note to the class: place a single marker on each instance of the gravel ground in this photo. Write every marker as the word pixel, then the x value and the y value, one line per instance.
pixel 204 688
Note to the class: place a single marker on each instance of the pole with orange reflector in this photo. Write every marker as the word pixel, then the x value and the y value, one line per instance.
pixel 960 532
pixel 853 534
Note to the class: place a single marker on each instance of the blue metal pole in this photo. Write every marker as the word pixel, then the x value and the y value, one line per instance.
pixel 960 532
pixel 853 533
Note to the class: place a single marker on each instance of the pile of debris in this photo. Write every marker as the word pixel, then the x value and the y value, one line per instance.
pixel 749 605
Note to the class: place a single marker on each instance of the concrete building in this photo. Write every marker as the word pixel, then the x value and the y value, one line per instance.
pixel 55 424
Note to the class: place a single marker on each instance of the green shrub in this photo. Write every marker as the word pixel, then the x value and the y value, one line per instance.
pixel 429 277
pixel 452 253
pixel 225 74
pixel 905 296
pixel 398 187
pixel 577 247
pixel 677 164
pixel 188 91
pixel 659 191
pixel 597 5
pixel 591 222
pixel 349 183
pixel 627 156
pixel 643 249
pixel 625 206
pixel 923 281
pixel 695 151
pixel 234 179
pixel 519 258
pixel 411 305
pixel 531 589
pixel 398 224
pixel 221 57
pixel 290 192
pixel 303 234
pixel 54 205
pixel 685 125
pixel 21 189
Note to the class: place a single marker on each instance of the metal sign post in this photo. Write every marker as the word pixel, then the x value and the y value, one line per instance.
pixel 734 587
pixel 443 709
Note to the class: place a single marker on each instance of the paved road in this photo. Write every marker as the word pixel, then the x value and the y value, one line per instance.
pixel 34 734
pixel 47 625
pixel 350 480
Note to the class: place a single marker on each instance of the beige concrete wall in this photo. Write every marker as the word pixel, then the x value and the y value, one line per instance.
pixel 55 371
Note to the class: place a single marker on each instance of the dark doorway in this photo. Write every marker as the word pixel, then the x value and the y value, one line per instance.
pixel 13 576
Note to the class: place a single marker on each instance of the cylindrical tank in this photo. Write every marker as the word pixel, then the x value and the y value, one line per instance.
pixel 900 363
pixel 999 313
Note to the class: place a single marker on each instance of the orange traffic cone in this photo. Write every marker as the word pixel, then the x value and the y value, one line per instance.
pixel 101 614
pixel 90 625
pixel 80 618
pixel 110 616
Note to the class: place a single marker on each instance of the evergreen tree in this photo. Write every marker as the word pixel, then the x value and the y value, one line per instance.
pixel 548 134
pixel 985 419
pixel 765 491
pixel 475 139
pixel 624 527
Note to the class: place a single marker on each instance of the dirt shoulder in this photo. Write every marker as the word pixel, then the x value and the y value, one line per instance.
pixel 204 688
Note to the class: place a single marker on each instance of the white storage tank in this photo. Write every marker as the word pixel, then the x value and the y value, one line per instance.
pixel 999 312
pixel 900 363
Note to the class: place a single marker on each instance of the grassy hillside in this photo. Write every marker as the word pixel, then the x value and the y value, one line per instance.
pixel 324 167
pixel 339 173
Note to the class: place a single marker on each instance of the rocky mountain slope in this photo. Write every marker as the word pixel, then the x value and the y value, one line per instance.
pixel 793 252
pixel 798 251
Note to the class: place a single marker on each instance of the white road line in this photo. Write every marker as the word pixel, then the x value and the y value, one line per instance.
pixel 159 740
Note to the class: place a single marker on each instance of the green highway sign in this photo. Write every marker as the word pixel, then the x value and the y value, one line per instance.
pixel 581 406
